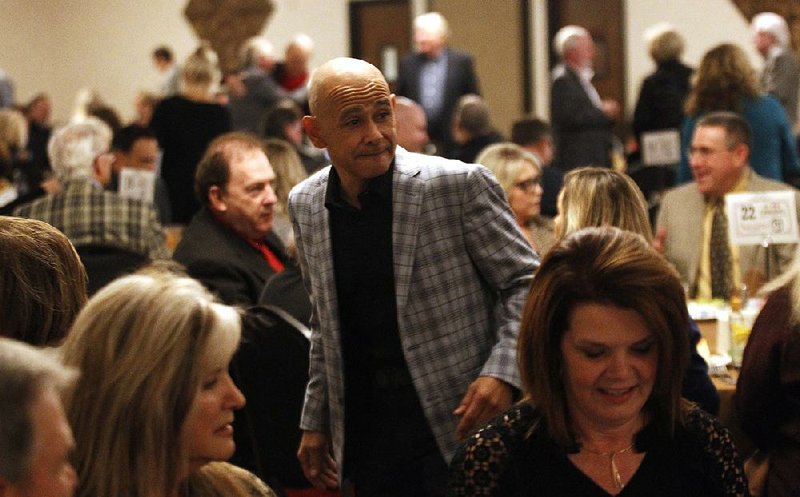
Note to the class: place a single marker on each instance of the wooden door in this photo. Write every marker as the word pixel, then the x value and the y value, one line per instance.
pixel 380 33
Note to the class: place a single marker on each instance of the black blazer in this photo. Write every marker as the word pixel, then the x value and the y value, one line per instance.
pixel 581 132
pixel 461 80
pixel 225 263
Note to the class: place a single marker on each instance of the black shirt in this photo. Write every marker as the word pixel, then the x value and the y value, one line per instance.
pixel 384 420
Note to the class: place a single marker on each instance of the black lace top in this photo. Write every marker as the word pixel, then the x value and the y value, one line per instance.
pixel 513 456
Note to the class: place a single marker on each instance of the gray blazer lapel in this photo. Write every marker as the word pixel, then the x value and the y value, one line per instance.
pixel 407 194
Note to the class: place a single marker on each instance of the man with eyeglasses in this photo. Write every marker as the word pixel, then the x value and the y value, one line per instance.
pixel 692 227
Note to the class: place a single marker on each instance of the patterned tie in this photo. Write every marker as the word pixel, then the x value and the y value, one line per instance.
pixel 720 254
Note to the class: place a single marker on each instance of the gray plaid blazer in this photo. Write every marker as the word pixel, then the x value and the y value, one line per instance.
pixel 462 271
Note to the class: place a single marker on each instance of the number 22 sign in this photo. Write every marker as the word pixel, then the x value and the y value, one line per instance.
pixel 763 217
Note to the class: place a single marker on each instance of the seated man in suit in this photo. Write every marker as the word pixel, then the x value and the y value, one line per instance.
pixel 229 246
pixel 692 227
pixel 436 76
pixel 581 119
pixel 82 210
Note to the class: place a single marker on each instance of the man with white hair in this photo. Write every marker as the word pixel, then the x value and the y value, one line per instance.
pixel 82 209
pixel 254 92
pixel 781 74
pixel 35 439
pixel 581 120
pixel 436 76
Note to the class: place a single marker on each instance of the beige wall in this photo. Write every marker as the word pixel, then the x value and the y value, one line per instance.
pixel 60 46
pixel 474 26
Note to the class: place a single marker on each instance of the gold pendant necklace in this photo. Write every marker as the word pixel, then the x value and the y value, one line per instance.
pixel 612 460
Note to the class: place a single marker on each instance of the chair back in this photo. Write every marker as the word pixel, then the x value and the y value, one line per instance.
pixel 105 263
pixel 271 369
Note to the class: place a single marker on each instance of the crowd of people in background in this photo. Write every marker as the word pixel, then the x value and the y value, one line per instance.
pixel 413 303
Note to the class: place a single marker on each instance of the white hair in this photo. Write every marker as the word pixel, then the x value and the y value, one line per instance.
pixel 566 38
pixel 772 23
pixel 303 42
pixel 255 47
pixel 73 148
pixel 432 22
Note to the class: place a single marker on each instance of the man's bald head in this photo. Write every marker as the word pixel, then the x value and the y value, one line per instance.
pixel 335 72
pixel 352 116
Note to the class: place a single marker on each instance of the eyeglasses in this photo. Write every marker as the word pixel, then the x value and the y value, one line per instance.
pixel 704 152
pixel 529 185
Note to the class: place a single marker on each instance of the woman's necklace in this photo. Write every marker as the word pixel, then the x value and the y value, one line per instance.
pixel 612 459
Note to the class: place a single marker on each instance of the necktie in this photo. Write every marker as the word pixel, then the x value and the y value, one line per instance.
pixel 720 252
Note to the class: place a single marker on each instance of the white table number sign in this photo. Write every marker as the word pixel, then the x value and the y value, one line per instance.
pixel 137 184
pixel 661 147
pixel 762 218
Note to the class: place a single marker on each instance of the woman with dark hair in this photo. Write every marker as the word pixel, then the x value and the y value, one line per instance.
pixel 596 196
pixel 42 282
pixel 601 351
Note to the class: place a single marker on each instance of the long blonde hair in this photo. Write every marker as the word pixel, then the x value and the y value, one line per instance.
pixel 288 167
pixel 141 344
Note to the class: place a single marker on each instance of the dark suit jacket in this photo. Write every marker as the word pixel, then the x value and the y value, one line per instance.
pixel 581 131
pixel 225 263
pixel 461 80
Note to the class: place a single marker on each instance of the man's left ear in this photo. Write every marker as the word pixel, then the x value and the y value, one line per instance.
pixel 215 199
pixel 742 152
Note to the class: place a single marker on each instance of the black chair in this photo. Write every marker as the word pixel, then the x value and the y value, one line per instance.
pixel 105 263
pixel 271 369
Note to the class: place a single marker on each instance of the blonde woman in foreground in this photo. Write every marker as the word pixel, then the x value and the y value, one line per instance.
pixel 152 409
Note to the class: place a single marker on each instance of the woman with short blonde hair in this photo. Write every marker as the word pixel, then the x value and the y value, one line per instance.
pixel 519 173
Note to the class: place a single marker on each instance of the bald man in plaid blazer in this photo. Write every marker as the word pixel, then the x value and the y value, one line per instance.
pixel 461 271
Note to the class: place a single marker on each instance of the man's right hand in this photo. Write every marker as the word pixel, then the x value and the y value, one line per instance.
pixel 316 460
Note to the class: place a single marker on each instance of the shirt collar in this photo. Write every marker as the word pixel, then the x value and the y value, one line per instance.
pixel 379 187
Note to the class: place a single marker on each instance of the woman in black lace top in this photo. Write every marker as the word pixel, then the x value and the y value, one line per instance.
pixel 602 349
